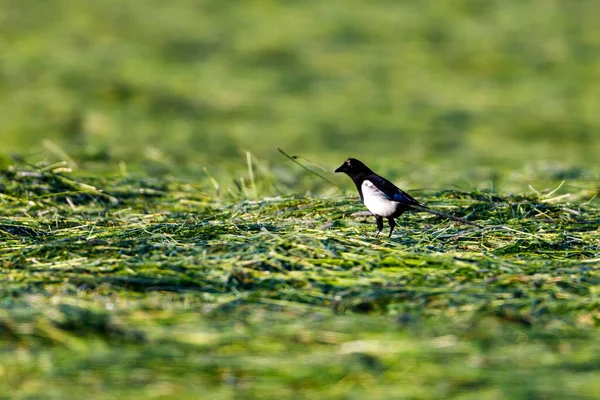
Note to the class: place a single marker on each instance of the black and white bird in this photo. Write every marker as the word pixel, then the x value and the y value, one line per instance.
pixel 383 198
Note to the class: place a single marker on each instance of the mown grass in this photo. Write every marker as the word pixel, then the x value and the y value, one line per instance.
pixel 131 287
pixel 150 256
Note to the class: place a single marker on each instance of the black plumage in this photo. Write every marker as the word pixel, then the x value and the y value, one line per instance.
pixel 383 198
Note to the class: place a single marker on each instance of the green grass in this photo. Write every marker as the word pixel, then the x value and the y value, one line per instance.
pixel 154 244
pixel 134 288
pixel 463 83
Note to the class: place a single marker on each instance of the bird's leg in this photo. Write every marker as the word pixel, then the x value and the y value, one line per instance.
pixel 392 223
pixel 379 224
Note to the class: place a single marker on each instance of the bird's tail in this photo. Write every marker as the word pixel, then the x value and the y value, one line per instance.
pixel 443 215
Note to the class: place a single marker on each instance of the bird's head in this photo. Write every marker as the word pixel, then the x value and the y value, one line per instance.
pixel 353 167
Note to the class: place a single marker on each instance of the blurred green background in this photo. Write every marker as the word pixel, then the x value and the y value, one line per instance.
pixel 456 84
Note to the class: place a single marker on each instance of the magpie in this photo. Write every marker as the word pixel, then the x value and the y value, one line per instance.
pixel 383 198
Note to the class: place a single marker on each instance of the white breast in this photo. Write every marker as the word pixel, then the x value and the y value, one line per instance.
pixel 376 201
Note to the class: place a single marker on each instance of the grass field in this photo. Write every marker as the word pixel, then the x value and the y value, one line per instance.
pixel 155 244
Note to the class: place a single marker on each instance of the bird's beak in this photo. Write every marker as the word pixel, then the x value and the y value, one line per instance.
pixel 341 168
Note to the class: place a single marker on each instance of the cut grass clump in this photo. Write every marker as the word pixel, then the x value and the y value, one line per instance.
pixel 293 294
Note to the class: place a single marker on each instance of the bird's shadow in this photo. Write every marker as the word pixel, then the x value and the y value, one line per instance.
pixel 396 239
pixel 403 240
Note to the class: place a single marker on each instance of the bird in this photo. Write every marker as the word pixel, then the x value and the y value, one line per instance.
pixel 384 199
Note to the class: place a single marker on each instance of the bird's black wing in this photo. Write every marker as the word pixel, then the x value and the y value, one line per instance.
pixel 391 191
